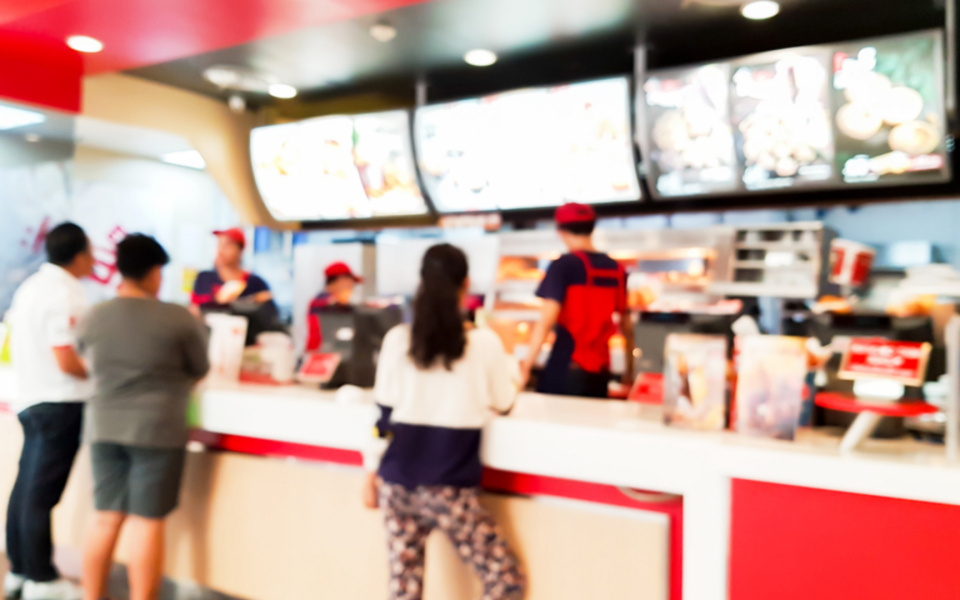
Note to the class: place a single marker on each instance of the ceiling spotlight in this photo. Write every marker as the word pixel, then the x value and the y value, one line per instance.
pixel 33 138
pixel 282 90
pixel 383 32
pixel 480 58
pixel 759 10
pixel 83 43
pixel 236 103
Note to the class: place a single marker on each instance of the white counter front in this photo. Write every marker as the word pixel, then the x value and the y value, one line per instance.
pixel 614 444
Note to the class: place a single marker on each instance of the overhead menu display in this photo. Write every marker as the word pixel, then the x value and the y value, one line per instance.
pixel 340 167
pixel 692 149
pixel 804 118
pixel 781 115
pixel 529 148
pixel 890 116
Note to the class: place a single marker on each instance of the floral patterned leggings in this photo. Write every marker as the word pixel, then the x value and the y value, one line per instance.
pixel 410 517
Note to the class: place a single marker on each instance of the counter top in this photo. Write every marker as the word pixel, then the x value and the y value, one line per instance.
pixel 611 443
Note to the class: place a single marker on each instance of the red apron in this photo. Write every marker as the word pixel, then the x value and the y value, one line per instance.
pixel 587 314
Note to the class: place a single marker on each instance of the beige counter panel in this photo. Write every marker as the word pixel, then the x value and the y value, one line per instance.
pixel 272 529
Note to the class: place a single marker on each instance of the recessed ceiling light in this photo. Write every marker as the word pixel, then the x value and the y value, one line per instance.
pixel 33 138
pixel 11 117
pixel 383 32
pixel 759 10
pixel 480 58
pixel 83 43
pixel 282 90
pixel 185 158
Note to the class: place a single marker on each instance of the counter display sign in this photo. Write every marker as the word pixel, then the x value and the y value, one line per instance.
pixel 880 358
pixel 337 167
pixel 690 134
pixel 695 381
pixel 529 148
pixel 770 385
pixel 890 117
pixel 781 115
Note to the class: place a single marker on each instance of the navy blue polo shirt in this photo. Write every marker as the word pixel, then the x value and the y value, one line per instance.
pixel 208 283
pixel 564 272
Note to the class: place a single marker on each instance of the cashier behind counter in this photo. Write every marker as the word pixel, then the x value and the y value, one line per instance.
pixel 584 301
pixel 227 288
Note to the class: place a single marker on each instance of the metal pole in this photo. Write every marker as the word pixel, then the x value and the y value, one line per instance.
pixel 953 392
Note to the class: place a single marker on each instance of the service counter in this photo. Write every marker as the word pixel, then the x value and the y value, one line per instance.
pixel 600 498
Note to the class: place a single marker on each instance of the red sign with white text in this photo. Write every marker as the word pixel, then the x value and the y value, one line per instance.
pixel 879 358
pixel 319 367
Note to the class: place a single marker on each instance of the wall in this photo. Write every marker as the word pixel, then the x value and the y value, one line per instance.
pixel 221 137
pixel 177 205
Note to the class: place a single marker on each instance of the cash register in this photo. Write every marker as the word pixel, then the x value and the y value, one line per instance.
pixel 356 334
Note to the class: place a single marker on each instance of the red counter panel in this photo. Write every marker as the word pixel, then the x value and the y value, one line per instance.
pixel 794 543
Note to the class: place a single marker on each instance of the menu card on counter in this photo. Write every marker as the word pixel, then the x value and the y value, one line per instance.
pixel 770 385
pixel 695 381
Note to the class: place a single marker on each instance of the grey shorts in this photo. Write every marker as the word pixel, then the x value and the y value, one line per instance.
pixel 135 480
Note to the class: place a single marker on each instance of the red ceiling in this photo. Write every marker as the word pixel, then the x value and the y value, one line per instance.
pixel 137 33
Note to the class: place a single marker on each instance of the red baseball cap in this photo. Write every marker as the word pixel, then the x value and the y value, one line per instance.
pixel 574 213
pixel 341 268
pixel 235 234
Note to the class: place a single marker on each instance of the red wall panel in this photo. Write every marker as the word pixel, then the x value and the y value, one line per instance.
pixel 793 543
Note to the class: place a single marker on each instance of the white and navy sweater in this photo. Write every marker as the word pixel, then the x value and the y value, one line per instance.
pixel 433 417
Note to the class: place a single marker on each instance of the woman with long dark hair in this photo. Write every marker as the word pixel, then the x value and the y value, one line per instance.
pixel 437 382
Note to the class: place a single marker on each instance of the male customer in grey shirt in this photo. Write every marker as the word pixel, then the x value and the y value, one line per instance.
pixel 147 355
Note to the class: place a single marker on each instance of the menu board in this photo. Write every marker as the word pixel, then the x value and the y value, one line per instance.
pixel 890 110
pixel 691 136
pixel 529 148
pixel 781 115
pixel 339 167
pixel 815 117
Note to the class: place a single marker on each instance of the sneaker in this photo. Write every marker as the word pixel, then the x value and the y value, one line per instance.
pixel 12 586
pixel 61 589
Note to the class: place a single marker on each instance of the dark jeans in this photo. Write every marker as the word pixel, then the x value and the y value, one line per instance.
pixel 586 384
pixel 51 434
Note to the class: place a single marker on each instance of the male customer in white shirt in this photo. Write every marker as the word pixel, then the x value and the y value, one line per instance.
pixel 53 386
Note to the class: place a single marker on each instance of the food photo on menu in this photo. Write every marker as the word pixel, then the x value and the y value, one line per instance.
pixel 689 132
pixel 770 385
pixel 382 153
pixel 890 118
pixel 781 115
pixel 695 381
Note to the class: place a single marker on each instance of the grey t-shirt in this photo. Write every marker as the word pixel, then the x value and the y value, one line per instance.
pixel 147 355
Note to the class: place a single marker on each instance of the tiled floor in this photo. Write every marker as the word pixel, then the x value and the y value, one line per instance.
pixel 170 590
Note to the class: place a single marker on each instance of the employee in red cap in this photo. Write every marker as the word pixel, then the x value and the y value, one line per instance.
pixel 585 303
pixel 337 292
pixel 227 282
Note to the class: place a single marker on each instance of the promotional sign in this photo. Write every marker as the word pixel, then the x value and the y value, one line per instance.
pixel 319 367
pixel 695 381
pixel 770 385
pixel 880 358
